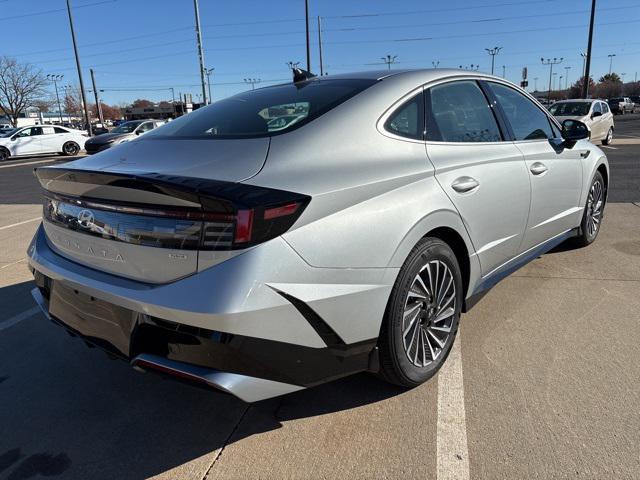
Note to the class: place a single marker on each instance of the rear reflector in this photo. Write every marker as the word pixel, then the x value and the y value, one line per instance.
pixel 282 211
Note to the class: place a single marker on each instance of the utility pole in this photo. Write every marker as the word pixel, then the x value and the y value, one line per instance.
pixel 535 82
pixel 584 59
pixel 493 52
pixel 252 82
pixel 200 52
pixel 173 101
pixel 97 97
pixel 306 21
pixel 55 79
pixel 389 59
pixel 566 78
pixel 75 50
pixel 320 45
pixel 585 82
pixel 611 55
pixel 435 63
pixel 504 71
pixel 209 71
pixel 551 63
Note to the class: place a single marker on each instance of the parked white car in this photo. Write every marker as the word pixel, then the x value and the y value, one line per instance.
pixel 38 139
pixel 595 114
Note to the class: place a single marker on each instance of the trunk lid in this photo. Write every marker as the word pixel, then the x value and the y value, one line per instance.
pixel 102 211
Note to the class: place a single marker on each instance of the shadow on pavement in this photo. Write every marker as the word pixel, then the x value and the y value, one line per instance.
pixel 69 411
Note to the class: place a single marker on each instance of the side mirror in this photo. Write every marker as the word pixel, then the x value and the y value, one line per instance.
pixel 138 132
pixel 574 130
pixel 596 114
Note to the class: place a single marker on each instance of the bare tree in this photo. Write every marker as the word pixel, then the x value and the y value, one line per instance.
pixel 21 85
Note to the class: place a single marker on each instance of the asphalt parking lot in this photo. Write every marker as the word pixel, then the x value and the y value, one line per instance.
pixel 542 383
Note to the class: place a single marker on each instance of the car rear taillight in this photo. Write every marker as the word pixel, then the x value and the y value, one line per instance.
pixel 221 225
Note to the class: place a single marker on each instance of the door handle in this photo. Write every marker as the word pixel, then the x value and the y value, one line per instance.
pixel 464 184
pixel 538 168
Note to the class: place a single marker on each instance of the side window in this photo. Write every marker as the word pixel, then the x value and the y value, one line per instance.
pixel 605 107
pixel 59 130
pixel 145 127
pixel 408 120
pixel 459 112
pixel 597 107
pixel 527 121
pixel 24 133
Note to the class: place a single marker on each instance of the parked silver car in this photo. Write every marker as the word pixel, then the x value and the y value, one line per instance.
pixel 262 260
pixel 124 132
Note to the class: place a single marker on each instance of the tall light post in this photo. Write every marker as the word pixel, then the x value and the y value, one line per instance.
pixel 209 71
pixel 535 82
pixel 551 63
pixel 389 59
pixel 504 71
pixel 320 45
pixel 493 52
pixel 173 100
pixel 75 50
pixel 200 51
pixel 623 75
pixel 252 82
pixel 585 82
pixel 55 79
pixel 611 55
pixel 97 97
pixel 435 63
pixel 306 21
pixel 566 78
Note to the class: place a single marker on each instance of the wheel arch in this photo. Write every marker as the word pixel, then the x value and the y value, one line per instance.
pixel 448 227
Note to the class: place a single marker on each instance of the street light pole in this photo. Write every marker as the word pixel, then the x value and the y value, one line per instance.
pixel 75 50
pixel 97 97
pixel 389 59
pixel 611 55
pixel 200 52
pixel 320 45
pixel 55 79
pixel 585 81
pixel 435 63
pixel 504 71
pixel 209 71
pixel 551 63
pixel 566 78
pixel 252 82
pixel 173 100
pixel 493 52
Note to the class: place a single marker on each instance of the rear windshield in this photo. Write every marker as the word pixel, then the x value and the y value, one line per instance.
pixel 264 112
pixel 570 109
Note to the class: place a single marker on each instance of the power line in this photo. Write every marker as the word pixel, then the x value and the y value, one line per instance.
pixel 56 10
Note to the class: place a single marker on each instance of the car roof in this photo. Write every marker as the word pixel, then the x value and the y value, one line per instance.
pixel 588 100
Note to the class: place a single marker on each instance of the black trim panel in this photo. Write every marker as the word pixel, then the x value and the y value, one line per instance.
pixel 322 328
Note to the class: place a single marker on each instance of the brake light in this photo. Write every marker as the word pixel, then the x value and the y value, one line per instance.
pixel 244 224
pixel 282 211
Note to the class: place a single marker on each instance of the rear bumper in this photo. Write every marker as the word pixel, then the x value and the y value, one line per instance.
pixel 248 326
pixel 91 148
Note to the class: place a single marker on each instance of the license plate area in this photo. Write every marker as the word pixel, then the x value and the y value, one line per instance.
pixel 102 323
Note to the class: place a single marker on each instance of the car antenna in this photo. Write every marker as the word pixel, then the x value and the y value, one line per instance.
pixel 300 75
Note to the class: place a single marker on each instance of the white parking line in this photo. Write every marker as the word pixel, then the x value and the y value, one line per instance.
pixel 452 450
pixel 18 318
pixel 20 223
pixel 27 163
pixel 606 146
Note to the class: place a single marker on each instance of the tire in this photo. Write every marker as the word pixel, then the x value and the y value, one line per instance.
pixel 70 149
pixel 593 213
pixel 4 154
pixel 409 353
pixel 608 139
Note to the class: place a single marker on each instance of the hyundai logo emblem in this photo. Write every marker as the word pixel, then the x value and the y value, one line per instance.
pixel 85 218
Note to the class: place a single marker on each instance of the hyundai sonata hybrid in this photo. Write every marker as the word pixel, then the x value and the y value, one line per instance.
pixel 262 257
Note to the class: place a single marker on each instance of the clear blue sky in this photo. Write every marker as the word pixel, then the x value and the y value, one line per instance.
pixel 149 45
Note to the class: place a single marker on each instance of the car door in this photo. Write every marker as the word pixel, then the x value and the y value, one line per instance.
pixel 555 172
pixel 27 141
pixel 607 117
pixel 483 173
pixel 50 140
pixel 597 124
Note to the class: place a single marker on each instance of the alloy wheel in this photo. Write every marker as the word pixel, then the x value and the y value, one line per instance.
pixel 71 149
pixel 594 208
pixel 429 313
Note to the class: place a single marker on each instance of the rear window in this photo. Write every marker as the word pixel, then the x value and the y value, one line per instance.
pixel 264 112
